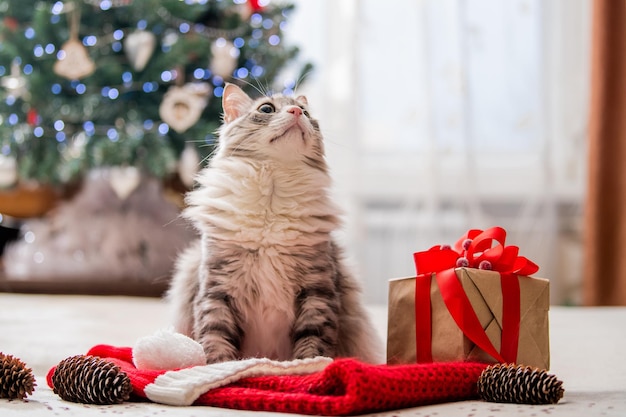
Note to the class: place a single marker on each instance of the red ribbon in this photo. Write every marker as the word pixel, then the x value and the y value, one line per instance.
pixel 477 249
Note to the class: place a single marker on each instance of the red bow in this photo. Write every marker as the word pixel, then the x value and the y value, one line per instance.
pixel 477 249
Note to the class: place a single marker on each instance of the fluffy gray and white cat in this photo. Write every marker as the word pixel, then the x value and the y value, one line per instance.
pixel 266 278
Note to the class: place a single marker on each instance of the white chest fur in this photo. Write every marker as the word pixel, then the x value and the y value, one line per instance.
pixel 259 205
pixel 266 298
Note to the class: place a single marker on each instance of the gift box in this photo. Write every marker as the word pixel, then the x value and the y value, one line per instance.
pixel 473 301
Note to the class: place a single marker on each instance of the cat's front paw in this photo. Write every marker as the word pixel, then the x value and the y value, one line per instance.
pixel 313 350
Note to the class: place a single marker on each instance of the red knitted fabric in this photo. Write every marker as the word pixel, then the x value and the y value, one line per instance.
pixel 344 387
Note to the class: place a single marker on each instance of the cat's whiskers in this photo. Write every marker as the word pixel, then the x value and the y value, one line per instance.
pixel 301 79
pixel 263 90
pixel 239 147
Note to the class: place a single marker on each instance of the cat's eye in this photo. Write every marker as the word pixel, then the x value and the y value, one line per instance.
pixel 306 113
pixel 267 108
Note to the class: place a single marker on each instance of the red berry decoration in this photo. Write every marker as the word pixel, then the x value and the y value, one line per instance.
pixel 462 262
pixel 485 265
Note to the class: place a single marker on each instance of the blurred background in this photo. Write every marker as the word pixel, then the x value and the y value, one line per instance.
pixel 439 116
pixel 446 115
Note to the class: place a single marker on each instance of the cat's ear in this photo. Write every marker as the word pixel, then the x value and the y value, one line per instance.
pixel 302 100
pixel 235 102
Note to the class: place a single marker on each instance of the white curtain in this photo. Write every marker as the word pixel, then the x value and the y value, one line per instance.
pixel 446 115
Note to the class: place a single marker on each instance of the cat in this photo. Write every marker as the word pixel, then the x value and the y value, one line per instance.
pixel 266 278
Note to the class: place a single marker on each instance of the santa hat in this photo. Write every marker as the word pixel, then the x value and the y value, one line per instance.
pixel 316 386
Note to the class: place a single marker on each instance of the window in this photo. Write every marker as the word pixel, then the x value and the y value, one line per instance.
pixel 446 115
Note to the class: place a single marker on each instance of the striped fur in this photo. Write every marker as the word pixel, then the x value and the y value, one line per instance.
pixel 266 278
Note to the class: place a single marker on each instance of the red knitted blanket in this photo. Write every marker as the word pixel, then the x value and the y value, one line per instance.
pixel 343 387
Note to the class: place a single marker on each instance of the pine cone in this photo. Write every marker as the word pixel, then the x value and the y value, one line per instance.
pixel 91 380
pixel 519 384
pixel 16 380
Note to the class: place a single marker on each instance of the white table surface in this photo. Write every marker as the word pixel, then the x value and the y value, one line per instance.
pixel 588 353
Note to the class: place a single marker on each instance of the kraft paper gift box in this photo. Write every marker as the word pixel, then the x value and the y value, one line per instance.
pixel 489 308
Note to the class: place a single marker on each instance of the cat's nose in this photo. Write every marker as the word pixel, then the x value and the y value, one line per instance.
pixel 295 110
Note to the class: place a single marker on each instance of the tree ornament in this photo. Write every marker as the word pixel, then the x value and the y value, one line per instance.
pixel 223 58
pixel 182 106
pixel 256 5
pixel 124 180
pixel 74 62
pixel 519 384
pixel 188 165
pixel 15 83
pixel 16 380
pixel 11 23
pixel 138 47
pixel 8 171
pixel 91 380
pixel 32 117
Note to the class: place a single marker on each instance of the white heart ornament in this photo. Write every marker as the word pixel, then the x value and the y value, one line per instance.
pixel 138 47
pixel 182 106
pixel 124 180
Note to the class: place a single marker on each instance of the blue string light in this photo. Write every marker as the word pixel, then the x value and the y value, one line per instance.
pixel 38 51
pixel 256 20
pixel 89 127
pixel 257 71
pixel 167 76
pixel 57 8
pixel 218 81
pixel 274 40
pixel 163 129
pixel 90 40
pixel 113 135
pixel 184 27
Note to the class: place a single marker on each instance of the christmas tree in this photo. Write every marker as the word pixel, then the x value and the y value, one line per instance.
pixel 98 83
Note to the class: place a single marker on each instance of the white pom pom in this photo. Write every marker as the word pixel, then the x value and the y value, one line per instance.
pixel 167 350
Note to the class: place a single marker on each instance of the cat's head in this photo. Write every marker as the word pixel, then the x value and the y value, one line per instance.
pixel 273 127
